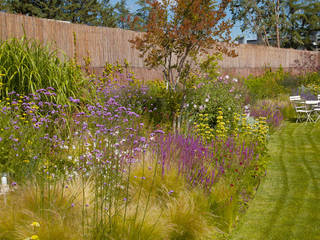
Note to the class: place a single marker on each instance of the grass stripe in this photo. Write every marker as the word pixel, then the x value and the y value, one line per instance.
pixel 287 204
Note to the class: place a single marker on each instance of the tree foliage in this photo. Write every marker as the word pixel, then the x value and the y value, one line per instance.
pixel 123 13
pixel 285 23
pixel 303 19
pixel 142 13
pixel 178 31
pixel 91 12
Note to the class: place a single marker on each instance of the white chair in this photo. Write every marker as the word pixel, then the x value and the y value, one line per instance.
pixel 301 109
pixel 295 98
pixel 316 109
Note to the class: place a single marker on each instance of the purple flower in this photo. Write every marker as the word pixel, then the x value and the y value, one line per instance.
pixel 74 100
pixel 159 131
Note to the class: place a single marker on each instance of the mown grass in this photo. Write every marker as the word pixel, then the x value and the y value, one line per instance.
pixel 287 204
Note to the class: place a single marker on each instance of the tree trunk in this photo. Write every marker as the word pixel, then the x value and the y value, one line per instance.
pixel 277 12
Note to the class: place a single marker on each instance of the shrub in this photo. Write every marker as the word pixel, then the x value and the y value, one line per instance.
pixel 224 93
pixel 268 85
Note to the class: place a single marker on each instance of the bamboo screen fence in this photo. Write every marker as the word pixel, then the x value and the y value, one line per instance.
pixel 104 44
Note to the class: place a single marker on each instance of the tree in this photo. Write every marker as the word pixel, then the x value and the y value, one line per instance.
pixel 46 9
pixel 123 14
pixel 3 6
pixel 91 12
pixel 82 11
pixel 177 33
pixel 287 23
pixel 142 13
pixel 107 15
pixel 293 38
pixel 262 17
pixel 307 21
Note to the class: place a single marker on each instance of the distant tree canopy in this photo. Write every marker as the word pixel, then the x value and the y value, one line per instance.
pixel 91 12
pixel 282 23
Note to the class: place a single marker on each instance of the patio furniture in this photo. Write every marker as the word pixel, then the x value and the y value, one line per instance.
pixel 302 111
pixel 316 109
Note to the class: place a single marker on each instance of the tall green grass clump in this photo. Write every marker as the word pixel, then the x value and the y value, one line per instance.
pixel 268 85
pixel 26 66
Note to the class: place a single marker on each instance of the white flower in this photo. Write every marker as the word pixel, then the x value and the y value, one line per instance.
pixel 227 77
pixel 207 100
pixel 195 106
pixel 235 80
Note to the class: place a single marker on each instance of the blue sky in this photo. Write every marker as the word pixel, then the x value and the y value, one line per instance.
pixel 236 31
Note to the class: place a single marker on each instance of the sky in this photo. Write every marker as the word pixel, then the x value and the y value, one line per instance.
pixel 235 31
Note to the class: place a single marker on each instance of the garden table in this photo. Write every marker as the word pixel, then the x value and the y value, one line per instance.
pixel 314 105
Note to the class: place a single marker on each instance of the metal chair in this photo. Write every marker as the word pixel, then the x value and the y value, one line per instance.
pixel 316 109
pixel 301 109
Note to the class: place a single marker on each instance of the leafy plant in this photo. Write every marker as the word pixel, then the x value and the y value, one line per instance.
pixel 28 66
pixel 268 85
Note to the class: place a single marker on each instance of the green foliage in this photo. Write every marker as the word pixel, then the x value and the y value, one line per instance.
pixel 28 66
pixel 91 12
pixel 268 85
pixel 45 9
pixel 224 94
pixel 311 81
pixel 285 23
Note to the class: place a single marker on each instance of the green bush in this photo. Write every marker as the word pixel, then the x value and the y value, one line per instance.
pixel 225 94
pixel 311 81
pixel 26 66
pixel 269 85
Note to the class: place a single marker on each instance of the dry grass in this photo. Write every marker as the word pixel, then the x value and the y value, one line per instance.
pixel 158 207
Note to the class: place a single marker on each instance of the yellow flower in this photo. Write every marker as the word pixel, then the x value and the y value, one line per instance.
pixel 35 224
pixel 27 161
pixel 34 237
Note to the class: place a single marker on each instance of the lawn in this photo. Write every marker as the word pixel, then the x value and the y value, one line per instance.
pixel 286 205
